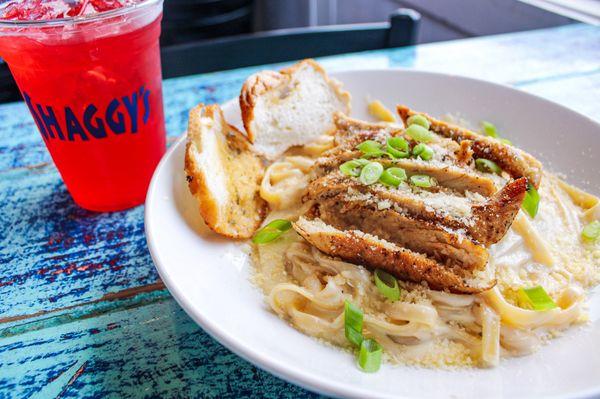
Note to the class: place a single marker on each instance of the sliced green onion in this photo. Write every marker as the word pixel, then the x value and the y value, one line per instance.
pixel 376 154
pixel 387 285
pixel 353 167
pixel 397 154
pixel 370 173
pixel 398 143
pixel 420 134
pixel 369 356
pixel 353 316
pixel 369 146
pixel 423 151
pixel 531 202
pixel 353 336
pixel 371 149
pixel 418 119
pixel 423 181
pixel 591 232
pixel 397 147
pixel 489 129
pixel 535 298
pixel 353 323
pixel 393 176
pixel 487 166
pixel 271 231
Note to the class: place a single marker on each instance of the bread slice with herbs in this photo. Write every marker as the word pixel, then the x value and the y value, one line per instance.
pixel 223 174
pixel 291 107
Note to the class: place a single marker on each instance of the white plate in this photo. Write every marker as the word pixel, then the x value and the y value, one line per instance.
pixel 209 276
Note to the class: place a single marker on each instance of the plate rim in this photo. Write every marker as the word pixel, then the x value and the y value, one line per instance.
pixel 287 372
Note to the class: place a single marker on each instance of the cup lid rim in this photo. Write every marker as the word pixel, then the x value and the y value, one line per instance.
pixel 8 23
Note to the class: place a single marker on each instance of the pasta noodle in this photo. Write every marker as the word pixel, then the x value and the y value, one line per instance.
pixel 515 316
pixel 533 240
pixel 425 327
pixel 490 337
pixel 285 181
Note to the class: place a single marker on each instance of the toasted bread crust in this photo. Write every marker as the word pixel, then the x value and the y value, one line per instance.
pixel 245 210
pixel 198 187
pixel 255 86
pixel 264 81
pixel 516 162
pixel 376 253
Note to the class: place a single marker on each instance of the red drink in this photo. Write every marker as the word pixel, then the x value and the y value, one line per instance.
pixel 93 86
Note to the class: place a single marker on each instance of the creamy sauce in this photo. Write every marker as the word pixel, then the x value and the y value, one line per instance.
pixel 434 329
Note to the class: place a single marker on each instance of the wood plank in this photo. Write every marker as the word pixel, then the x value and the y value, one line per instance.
pixel 20 142
pixel 149 351
pixel 55 254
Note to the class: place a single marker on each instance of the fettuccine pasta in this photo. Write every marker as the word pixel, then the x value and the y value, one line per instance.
pixel 425 327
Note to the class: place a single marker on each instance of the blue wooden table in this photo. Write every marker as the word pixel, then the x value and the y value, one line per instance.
pixel 83 312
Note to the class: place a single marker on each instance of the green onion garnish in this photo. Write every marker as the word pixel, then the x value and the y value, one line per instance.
pixel 369 356
pixel 271 231
pixel 353 167
pixel 371 149
pixel 370 173
pixel 397 147
pixel 423 151
pixel 535 298
pixel 423 181
pixel 353 336
pixel 418 119
pixel 387 285
pixel 487 166
pixel 531 202
pixel 489 129
pixel 369 146
pixel 376 154
pixel 419 133
pixel 591 232
pixel 353 323
pixel 393 176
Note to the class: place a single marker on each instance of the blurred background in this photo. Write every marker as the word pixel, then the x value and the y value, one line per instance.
pixel 186 20
pixel 200 22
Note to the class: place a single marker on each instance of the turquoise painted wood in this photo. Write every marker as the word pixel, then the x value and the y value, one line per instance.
pixel 82 310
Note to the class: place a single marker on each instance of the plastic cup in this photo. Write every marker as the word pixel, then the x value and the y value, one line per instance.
pixel 93 86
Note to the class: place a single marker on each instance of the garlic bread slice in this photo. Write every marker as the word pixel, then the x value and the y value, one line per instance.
pixel 291 107
pixel 223 174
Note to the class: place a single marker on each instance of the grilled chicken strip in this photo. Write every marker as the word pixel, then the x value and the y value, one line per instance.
pixel 447 175
pixel 449 248
pixel 486 220
pixel 365 249
pixel 516 162
pixel 437 234
pixel 351 132
pixel 448 165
